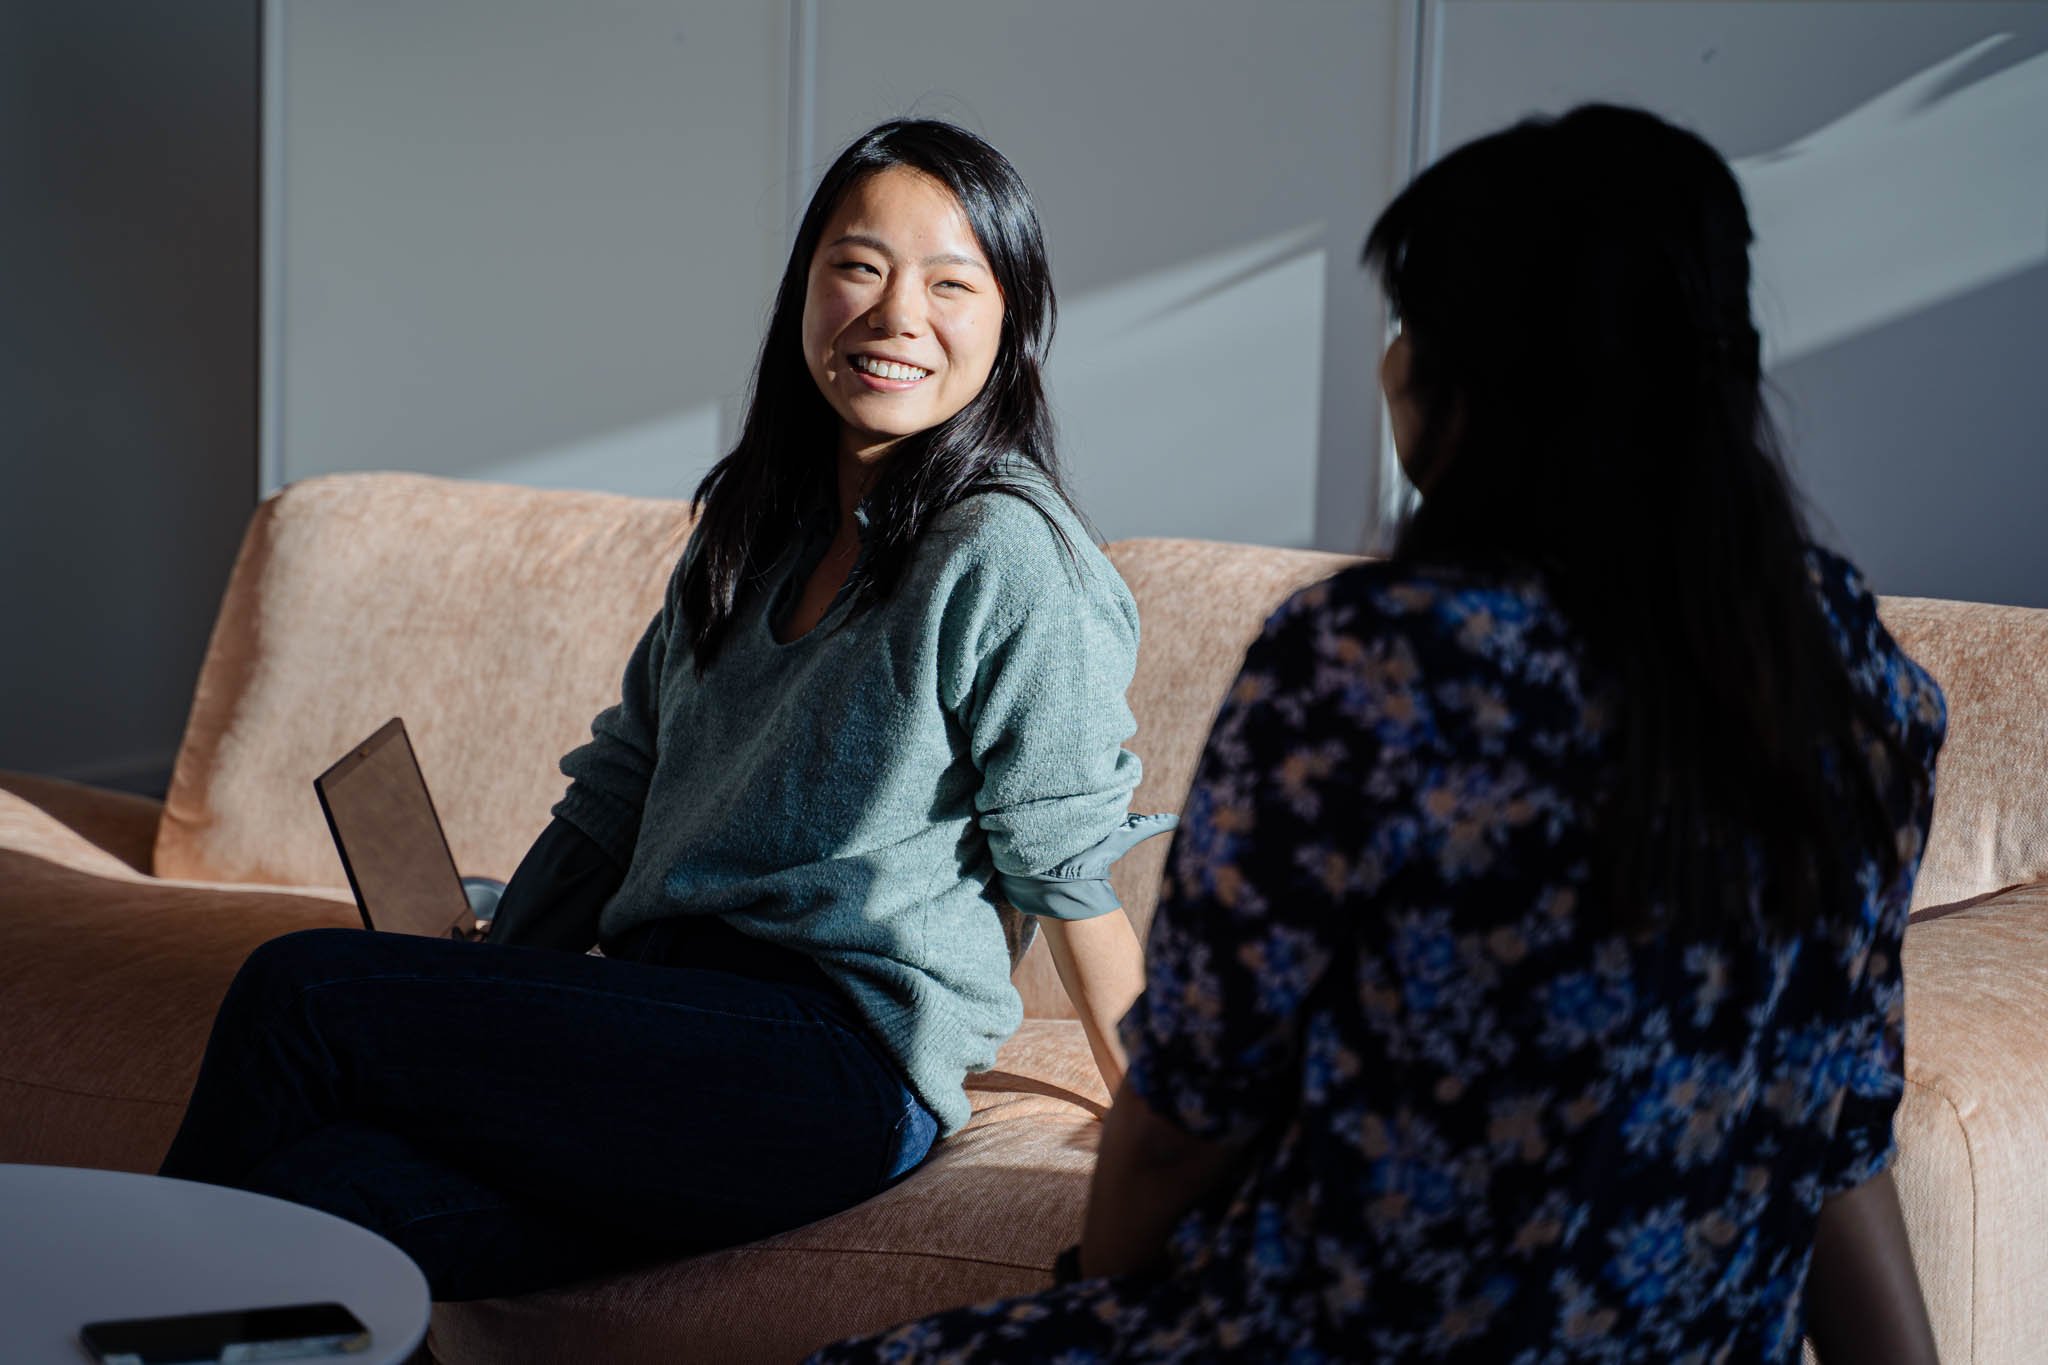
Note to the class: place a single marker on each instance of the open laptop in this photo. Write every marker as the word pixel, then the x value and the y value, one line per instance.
pixel 391 842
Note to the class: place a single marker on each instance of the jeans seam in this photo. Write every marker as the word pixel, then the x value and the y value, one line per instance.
pixel 416 978
pixel 911 1107
pixel 501 1206
pixel 889 1149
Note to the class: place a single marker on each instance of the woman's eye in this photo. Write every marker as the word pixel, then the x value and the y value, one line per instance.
pixel 858 266
pixel 960 286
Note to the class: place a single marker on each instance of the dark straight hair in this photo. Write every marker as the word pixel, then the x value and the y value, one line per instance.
pixel 750 504
pixel 1575 294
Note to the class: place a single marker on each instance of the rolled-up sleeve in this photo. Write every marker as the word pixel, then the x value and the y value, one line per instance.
pixel 1046 722
pixel 1079 887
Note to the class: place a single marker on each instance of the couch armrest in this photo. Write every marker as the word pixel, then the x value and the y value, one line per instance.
pixel 1974 1124
pixel 89 828
pixel 108 986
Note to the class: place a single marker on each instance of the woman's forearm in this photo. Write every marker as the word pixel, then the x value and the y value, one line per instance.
pixel 1148 1174
pixel 1102 967
pixel 1863 1299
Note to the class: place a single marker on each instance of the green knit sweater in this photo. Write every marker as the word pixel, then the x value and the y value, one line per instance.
pixel 858 792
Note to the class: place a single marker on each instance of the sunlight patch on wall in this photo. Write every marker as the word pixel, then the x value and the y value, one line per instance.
pixel 1188 397
pixel 660 459
pixel 1910 199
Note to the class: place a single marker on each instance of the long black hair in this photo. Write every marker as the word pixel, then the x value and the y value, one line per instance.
pixel 750 503
pixel 1575 294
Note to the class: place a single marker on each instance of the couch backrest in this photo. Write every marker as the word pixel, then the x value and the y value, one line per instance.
pixel 502 617
pixel 1991 781
pixel 495 620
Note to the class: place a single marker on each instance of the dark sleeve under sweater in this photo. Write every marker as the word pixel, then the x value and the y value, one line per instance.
pixel 560 889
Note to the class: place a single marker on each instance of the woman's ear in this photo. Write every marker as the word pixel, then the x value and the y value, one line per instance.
pixel 1403 408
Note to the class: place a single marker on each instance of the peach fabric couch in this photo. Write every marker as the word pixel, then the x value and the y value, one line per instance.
pixel 496 621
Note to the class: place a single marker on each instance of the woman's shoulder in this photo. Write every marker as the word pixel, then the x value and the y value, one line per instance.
pixel 1018 539
pixel 1015 501
pixel 1878 667
pixel 1430 608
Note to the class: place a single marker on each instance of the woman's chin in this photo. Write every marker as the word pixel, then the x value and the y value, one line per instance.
pixel 869 428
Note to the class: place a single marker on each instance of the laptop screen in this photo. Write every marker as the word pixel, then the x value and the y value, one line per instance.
pixel 391 842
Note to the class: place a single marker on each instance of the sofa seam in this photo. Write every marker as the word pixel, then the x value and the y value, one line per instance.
pixel 893 1254
pixel 87 1094
pixel 1970 1156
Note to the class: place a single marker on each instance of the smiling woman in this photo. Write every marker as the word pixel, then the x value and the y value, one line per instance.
pixel 880 712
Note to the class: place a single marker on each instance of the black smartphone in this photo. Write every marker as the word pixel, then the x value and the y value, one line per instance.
pixel 296 1330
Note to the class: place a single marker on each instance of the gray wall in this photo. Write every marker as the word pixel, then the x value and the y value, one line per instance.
pixel 1204 173
pixel 128 222
pixel 536 242
pixel 526 240
pixel 521 239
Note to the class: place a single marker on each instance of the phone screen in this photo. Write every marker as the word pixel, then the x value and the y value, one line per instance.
pixel 304 1329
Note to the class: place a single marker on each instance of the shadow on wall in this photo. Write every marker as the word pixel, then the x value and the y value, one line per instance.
pixel 1223 352
pixel 1934 188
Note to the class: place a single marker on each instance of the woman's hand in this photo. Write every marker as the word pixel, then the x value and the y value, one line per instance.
pixel 1862 1294
pixel 1103 968
pixel 1148 1174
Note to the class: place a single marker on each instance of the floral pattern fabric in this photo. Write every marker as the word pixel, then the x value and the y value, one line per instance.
pixel 1489 1129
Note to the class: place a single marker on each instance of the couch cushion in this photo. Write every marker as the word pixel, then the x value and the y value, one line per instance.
pixel 89 828
pixel 1990 805
pixel 1973 1125
pixel 982 1218
pixel 495 620
pixel 108 986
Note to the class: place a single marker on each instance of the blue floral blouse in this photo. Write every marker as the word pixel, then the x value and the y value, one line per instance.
pixel 1494 1131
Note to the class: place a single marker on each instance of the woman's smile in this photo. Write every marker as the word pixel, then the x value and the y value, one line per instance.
pixel 886 375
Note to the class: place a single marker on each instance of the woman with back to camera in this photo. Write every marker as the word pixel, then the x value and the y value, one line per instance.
pixel 1526 984
pixel 880 710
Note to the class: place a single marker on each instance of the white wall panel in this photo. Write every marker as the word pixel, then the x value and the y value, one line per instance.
pixel 521 239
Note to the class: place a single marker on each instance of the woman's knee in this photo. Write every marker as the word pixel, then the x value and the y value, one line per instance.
pixel 291 955
pixel 279 970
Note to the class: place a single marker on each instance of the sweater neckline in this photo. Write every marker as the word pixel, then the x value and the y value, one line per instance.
pixel 801 560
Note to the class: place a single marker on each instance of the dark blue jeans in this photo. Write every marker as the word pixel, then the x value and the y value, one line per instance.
pixel 517 1118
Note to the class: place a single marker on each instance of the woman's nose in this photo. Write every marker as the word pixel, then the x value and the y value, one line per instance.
pixel 895 313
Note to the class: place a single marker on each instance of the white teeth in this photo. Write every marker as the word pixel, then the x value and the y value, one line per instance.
pixel 887 369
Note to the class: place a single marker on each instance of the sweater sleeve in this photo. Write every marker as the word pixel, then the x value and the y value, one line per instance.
pixel 1046 720
pixel 609 775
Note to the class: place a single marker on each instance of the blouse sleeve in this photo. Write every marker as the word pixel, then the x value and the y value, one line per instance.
pixel 1871 1065
pixel 1250 911
pixel 1873 1075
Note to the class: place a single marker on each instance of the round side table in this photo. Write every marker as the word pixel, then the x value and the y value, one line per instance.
pixel 79 1246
